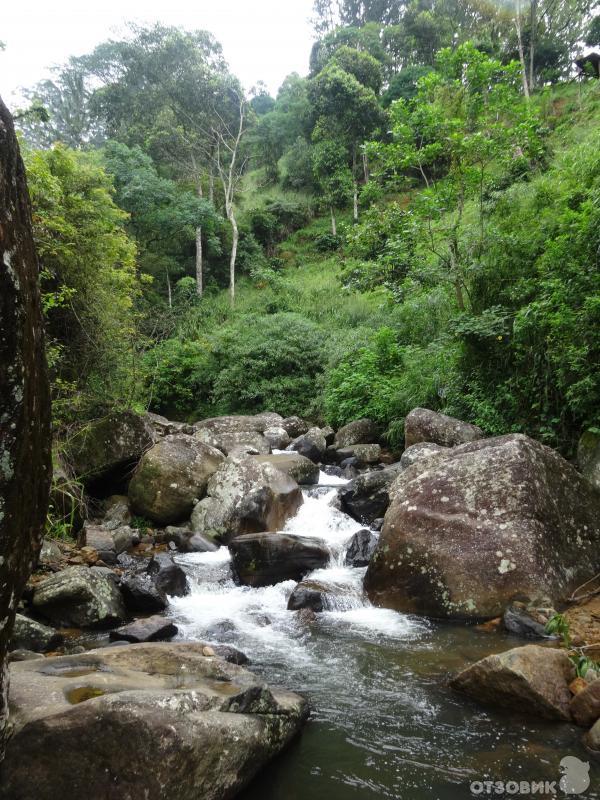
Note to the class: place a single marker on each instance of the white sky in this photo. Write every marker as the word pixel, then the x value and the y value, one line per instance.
pixel 261 39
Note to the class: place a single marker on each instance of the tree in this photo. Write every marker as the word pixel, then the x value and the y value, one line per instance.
pixel 158 91
pixel 25 463
pixel 68 117
pixel 466 118
pixel 347 113
pixel 228 131
pixel 89 281
pixel 163 214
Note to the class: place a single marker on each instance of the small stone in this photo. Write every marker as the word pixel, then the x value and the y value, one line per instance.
pixel 208 652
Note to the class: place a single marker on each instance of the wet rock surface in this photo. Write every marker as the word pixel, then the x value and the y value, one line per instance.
pixel 366 497
pixel 202 727
pixel 531 680
pixel 262 559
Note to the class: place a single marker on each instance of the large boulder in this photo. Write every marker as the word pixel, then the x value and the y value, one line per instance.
pixel 144 721
pixel 419 452
pixel 262 559
pixel 363 431
pixel 424 425
pixel 25 424
pixel 482 525
pixel 363 454
pixel 277 437
pixel 245 496
pixel 366 498
pixel 532 680
pixel 301 469
pixel 31 635
pixel 234 442
pixel 110 447
pixel 588 456
pixel 171 477
pixel 79 597
pixel 311 445
pixel 238 435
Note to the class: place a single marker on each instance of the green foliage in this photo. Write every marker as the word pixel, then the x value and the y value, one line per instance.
pixel 385 380
pixel 559 626
pixel 89 282
pixel 252 364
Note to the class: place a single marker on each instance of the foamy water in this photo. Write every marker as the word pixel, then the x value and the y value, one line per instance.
pixel 257 620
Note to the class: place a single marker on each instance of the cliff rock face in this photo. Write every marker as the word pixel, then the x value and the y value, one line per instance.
pixel 24 396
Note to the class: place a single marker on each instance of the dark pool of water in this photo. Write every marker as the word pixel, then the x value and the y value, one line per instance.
pixel 385 724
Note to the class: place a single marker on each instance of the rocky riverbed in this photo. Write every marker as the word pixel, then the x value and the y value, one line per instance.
pixel 325 561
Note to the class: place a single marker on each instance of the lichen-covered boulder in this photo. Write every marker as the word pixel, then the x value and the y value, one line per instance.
pixel 234 442
pixel 145 721
pixel 366 498
pixel 532 680
pixel 110 447
pixel 28 634
pixel 262 559
pixel 245 496
pixel 311 445
pixel 171 477
pixel 588 456
pixel 482 525
pixel 420 452
pixel 277 437
pixel 79 597
pixel 424 425
pixel 363 454
pixel 363 431
pixel 301 469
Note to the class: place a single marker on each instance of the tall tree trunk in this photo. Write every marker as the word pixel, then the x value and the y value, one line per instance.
pixel 533 28
pixel 199 264
pixel 232 258
pixel 333 223
pixel 365 159
pixel 25 464
pixel 354 187
pixel 521 50
pixel 169 293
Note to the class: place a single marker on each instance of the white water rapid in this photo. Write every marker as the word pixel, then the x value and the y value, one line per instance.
pixel 257 620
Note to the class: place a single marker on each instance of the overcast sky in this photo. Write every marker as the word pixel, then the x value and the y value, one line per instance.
pixel 262 39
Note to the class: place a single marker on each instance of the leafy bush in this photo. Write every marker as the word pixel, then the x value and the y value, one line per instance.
pixel 384 381
pixel 327 243
pixel 274 362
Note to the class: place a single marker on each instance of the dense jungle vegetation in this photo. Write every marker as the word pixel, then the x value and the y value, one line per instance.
pixel 415 222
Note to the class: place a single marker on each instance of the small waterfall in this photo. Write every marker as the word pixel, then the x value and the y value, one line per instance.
pixel 257 620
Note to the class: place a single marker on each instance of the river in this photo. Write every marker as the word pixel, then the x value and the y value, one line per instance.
pixel 384 723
